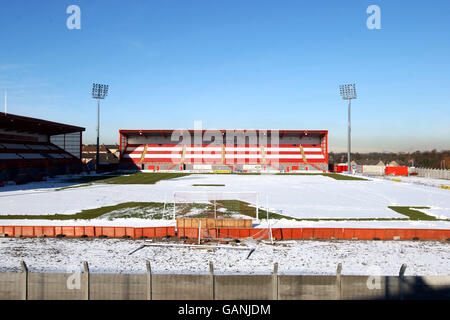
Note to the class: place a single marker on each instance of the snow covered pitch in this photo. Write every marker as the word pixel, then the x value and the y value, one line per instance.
pixel 314 200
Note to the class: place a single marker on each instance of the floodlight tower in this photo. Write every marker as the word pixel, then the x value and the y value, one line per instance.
pixel 99 91
pixel 348 92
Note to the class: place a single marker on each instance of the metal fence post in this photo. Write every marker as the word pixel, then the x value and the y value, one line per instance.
pixel 87 282
pixel 212 282
pixel 402 270
pixel 401 275
pixel 149 280
pixel 24 280
pixel 339 282
pixel 275 281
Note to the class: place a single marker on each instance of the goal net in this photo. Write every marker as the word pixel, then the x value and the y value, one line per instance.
pixel 214 205
pixel 217 205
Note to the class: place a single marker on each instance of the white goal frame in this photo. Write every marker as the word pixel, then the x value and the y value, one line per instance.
pixel 216 192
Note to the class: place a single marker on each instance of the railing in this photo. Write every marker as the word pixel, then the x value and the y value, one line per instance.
pixel 87 285
pixel 431 173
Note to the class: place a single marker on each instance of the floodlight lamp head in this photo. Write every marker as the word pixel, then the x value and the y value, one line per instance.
pixel 348 91
pixel 99 91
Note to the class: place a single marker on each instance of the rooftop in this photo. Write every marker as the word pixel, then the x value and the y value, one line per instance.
pixel 12 122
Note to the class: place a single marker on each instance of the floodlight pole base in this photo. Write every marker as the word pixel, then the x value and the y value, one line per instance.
pixel 349 165
pixel 97 157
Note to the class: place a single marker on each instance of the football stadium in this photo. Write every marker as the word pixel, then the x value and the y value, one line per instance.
pixel 245 212
pixel 243 199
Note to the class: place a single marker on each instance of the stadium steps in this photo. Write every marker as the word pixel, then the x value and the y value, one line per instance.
pixel 274 167
pixel 171 166
pixel 303 154
pixel 143 154
pixel 231 167
pixel 223 154
pixel 263 155
pixel 316 167
pixel 183 154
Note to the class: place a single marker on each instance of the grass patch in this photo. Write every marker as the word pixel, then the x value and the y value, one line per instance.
pixel 208 185
pixel 140 210
pixel 84 214
pixel 152 178
pixel 247 209
pixel 223 209
pixel 74 186
pixel 144 178
pixel 235 206
pixel 158 210
pixel 135 178
pixel 337 176
pixel 413 214
pixel 90 179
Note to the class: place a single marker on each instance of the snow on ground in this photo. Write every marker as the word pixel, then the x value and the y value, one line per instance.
pixel 291 195
pixel 423 181
pixel 286 223
pixel 437 212
pixel 123 222
pixel 273 223
pixel 294 257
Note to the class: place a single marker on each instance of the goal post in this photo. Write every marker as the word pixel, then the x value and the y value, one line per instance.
pixel 215 204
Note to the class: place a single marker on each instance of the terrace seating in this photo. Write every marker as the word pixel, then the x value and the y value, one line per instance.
pixel 223 154
pixel 31 161
pixel 34 150
pixel 10 156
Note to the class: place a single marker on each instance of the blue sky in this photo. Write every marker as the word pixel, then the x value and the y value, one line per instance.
pixel 234 64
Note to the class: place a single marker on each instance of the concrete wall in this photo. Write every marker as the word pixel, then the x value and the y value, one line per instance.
pixel 118 286
pixel 53 286
pixel 373 170
pixel 11 286
pixel 181 287
pixel 292 287
pixel 362 287
pixel 243 287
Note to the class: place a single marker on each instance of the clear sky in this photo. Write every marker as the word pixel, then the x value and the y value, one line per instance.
pixel 234 64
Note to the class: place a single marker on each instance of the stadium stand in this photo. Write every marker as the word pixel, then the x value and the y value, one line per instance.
pixel 293 150
pixel 31 149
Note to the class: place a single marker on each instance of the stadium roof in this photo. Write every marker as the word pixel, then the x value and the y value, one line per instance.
pixel 164 131
pixel 12 122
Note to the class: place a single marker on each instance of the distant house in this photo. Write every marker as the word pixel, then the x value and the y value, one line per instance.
pixel 371 162
pixel 380 164
pixel 107 155
pixel 393 164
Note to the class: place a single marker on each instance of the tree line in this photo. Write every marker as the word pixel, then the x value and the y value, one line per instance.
pixel 423 159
